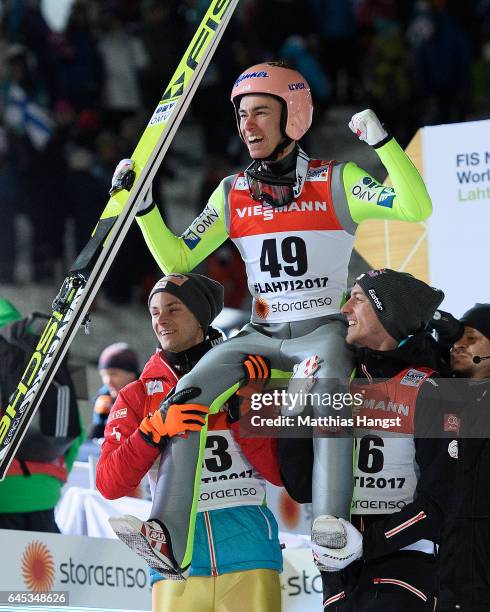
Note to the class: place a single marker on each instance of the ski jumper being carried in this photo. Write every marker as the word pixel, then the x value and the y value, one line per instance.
pixel 293 220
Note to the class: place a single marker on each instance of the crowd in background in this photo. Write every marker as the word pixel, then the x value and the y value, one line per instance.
pixel 73 102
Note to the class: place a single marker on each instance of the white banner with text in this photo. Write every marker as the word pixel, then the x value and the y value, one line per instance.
pixel 457 175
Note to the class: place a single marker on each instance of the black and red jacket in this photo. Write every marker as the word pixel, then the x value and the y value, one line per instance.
pixel 126 457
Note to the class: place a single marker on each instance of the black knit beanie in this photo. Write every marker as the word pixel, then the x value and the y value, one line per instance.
pixel 202 295
pixel 478 317
pixel 402 303
pixel 119 355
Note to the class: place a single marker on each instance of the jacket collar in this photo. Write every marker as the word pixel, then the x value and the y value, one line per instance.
pixel 419 350
pixel 181 363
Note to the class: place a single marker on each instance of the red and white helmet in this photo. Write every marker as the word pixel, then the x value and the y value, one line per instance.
pixel 284 83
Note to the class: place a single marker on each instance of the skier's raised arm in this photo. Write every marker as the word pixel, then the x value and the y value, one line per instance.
pixel 183 253
pixel 407 200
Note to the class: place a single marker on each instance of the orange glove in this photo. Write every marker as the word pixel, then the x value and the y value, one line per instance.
pixel 257 372
pixel 179 419
pixel 103 404
pixel 256 368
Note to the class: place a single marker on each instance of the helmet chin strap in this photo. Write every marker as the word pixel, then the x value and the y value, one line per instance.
pixel 278 167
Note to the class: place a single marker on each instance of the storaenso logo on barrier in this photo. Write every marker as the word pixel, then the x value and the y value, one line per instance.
pixel 304 583
pixel 40 571
pixel 102 575
pixel 176 87
pixel 30 380
pixel 38 567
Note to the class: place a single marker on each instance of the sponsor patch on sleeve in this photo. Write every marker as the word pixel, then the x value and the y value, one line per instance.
pixel 121 413
pixel 191 239
pixel 318 174
pixel 371 191
pixel 451 423
pixel 192 236
pixel 154 386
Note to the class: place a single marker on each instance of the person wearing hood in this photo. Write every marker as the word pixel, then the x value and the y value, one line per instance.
pixel 237 556
pixel 405 460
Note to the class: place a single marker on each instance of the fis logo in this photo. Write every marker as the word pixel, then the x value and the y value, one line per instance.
pixel 190 62
pixel 20 400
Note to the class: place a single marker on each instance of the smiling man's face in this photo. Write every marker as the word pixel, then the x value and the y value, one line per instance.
pixel 260 124
pixel 175 326
pixel 365 328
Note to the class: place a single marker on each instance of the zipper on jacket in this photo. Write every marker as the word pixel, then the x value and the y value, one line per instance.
pixel 403 585
pixel 212 553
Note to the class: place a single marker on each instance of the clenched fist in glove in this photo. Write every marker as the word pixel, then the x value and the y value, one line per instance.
pixel 257 372
pixel 123 178
pixel 157 428
pixel 368 128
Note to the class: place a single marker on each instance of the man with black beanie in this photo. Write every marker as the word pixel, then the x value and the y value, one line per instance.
pixel 202 295
pixel 403 480
pixel 465 557
pixel 237 556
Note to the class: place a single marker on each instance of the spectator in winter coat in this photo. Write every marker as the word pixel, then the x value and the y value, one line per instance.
pixel 32 486
pixel 118 366
pixel 465 560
